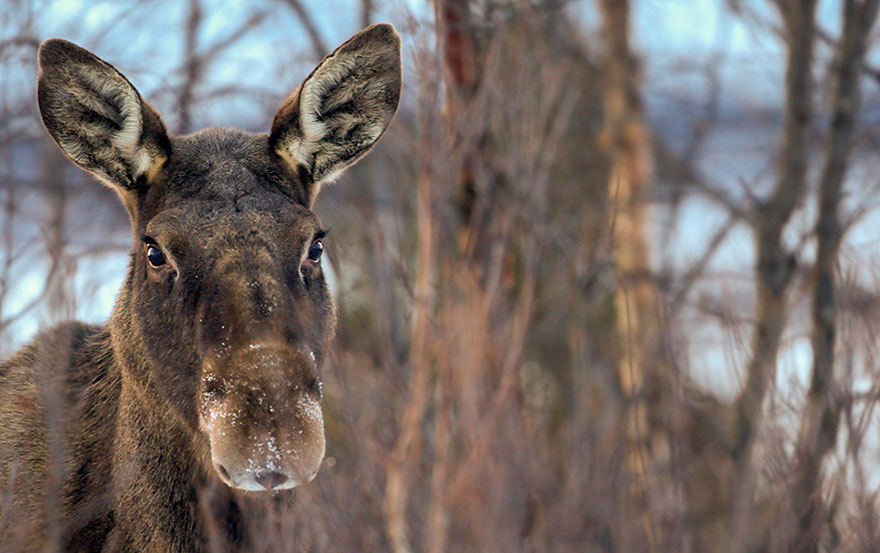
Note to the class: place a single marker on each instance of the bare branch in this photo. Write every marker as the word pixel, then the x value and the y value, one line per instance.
pixel 821 415
pixel 367 8
pixel 19 40
pixel 192 67
pixel 776 266
pixel 226 42
pixel 319 47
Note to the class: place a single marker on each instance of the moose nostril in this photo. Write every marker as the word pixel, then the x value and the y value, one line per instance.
pixel 223 472
pixel 313 385
pixel 270 479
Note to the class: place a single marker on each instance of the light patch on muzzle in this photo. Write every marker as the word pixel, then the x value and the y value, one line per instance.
pixel 260 446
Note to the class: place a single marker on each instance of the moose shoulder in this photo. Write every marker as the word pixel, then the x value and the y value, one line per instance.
pixel 209 368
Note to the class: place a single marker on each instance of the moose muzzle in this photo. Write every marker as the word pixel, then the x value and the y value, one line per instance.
pixel 261 411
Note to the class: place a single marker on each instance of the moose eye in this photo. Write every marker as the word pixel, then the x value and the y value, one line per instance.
pixel 315 251
pixel 155 256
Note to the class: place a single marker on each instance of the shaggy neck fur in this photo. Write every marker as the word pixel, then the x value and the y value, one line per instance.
pixel 161 461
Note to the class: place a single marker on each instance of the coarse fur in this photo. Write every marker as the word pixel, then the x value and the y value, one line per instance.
pixel 155 430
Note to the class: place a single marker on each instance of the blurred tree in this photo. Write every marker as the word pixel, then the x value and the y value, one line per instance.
pixel 644 372
pixel 822 409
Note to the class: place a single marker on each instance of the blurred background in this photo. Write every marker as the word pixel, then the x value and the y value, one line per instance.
pixel 609 282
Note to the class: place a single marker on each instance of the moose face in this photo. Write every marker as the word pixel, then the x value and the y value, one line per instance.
pixel 230 265
pixel 225 312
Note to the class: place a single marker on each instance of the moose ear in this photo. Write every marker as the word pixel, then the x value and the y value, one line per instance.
pixel 97 117
pixel 342 108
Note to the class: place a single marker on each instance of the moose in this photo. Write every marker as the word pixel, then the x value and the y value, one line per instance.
pixel 208 373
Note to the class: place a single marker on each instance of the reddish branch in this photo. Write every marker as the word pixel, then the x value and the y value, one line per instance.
pixel 461 61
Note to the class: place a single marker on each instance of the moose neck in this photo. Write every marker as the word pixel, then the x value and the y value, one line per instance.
pixel 157 477
pixel 160 456
pixel 159 460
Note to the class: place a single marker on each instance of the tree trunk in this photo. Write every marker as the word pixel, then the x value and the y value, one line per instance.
pixel 776 265
pixel 628 143
pixel 819 422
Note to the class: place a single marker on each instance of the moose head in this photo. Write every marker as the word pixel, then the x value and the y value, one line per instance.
pixel 224 319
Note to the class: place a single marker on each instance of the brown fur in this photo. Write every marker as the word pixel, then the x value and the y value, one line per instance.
pixel 209 360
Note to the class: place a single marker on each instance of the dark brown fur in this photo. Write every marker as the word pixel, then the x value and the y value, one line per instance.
pixel 235 324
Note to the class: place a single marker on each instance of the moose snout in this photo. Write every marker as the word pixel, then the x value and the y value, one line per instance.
pixel 264 423
pixel 253 457
pixel 267 478
pixel 263 479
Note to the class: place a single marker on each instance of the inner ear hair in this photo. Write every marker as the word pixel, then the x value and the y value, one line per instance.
pixel 342 108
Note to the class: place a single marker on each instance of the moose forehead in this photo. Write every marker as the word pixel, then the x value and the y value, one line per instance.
pixel 223 184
